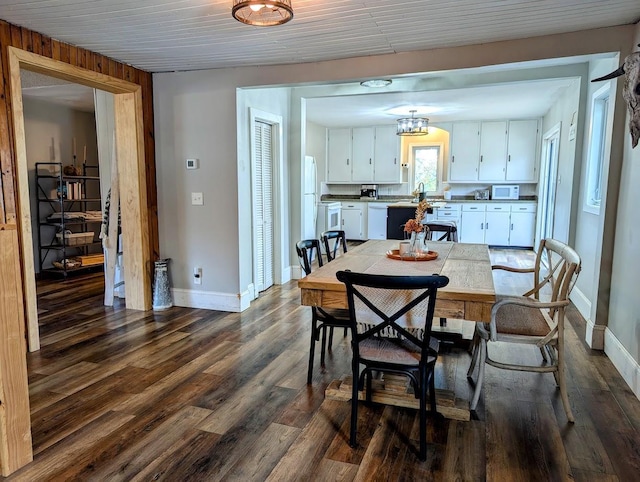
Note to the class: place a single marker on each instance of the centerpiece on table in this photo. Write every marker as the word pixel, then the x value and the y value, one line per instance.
pixel 415 227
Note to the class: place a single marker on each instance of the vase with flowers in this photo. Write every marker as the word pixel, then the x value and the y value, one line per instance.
pixel 415 228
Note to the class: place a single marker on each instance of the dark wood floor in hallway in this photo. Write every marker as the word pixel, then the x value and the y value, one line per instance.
pixel 188 394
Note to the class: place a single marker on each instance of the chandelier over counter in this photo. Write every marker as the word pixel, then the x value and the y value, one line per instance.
pixel 263 13
pixel 413 126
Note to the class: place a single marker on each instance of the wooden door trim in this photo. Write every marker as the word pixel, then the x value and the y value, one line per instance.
pixel 130 141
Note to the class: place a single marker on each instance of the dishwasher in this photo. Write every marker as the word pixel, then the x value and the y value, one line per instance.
pixel 377 220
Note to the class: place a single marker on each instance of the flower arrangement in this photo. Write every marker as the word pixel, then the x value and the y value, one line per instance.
pixel 415 225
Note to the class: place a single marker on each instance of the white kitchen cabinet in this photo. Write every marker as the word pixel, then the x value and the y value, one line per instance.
pixel 496 224
pixel 522 150
pixel 362 142
pixel 493 150
pixel 465 151
pixel 354 220
pixel 523 224
pixel 386 157
pixel 471 229
pixel 339 155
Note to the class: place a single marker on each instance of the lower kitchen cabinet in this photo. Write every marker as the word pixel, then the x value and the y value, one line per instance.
pixel 354 220
pixel 496 225
pixel 523 224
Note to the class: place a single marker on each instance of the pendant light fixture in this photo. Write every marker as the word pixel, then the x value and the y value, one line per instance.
pixel 263 13
pixel 413 126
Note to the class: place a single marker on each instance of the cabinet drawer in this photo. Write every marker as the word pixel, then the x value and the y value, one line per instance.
pixel 446 215
pixel 504 208
pixel 523 208
pixel 449 208
pixel 474 207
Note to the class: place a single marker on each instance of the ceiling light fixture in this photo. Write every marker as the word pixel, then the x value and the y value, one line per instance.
pixel 376 82
pixel 413 126
pixel 263 13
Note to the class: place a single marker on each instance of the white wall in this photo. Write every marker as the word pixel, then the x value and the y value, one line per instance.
pixel 622 340
pixel 49 132
pixel 196 116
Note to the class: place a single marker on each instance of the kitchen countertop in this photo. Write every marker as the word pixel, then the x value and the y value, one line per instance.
pixel 406 201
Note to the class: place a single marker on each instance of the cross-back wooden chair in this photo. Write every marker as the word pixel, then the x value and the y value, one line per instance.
pixel 441 231
pixel 321 318
pixel 536 318
pixel 338 238
pixel 391 319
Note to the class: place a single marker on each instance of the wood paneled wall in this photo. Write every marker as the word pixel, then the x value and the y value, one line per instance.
pixel 15 428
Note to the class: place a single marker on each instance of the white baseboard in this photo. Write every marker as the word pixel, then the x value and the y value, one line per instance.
pixel 210 300
pixel 582 302
pixel 296 272
pixel 623 361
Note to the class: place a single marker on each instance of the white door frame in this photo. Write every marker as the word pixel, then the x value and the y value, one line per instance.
pixel 548 182
pixel 276 123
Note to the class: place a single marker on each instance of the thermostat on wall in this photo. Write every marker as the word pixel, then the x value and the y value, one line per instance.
pixel 192 163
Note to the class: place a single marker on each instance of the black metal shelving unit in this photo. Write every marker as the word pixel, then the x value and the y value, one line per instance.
pixel 50 181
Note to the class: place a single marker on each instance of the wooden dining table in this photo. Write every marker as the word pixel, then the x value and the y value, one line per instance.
pixel 469 296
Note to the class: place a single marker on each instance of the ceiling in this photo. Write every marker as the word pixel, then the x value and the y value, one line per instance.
pixel 176 35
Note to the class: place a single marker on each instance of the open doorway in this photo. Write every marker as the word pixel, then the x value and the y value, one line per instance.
pixel 130 155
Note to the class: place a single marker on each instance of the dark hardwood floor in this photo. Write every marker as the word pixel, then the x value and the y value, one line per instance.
pixel 188 394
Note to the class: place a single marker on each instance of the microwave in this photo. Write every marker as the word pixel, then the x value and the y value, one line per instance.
pixel 505 191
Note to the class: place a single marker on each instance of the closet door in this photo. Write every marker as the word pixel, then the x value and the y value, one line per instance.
pixel 263 206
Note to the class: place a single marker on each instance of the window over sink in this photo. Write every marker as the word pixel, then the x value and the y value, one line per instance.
pixel 427 167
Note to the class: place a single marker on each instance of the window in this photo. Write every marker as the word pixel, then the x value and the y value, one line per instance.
pixel 597 141
pixel 427 164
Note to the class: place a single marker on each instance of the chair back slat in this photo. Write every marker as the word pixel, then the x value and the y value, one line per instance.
pixel 308 250
pixel 332 240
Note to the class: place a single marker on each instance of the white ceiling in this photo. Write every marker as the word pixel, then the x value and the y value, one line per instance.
pixel 173 35
pixel 169 35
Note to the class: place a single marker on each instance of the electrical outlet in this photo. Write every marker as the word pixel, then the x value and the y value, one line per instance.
pixel 197 276
pixel 197 199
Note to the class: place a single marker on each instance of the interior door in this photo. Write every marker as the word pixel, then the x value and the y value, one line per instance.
pixel 548 183
pixel 263 206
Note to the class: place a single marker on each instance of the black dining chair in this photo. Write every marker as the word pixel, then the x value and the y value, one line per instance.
pixel 446 231
pixel 338 238
pixel 391 319
pixel 321 318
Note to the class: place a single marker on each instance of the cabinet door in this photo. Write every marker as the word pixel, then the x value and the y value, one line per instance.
pixel 496 226
pixel 522 150
pixel 386 160
pixel 362 151
pixel 465 151
pixel 352 222
pixel 339 155
pixel 493 151
pixel 523 225
pixel 472 227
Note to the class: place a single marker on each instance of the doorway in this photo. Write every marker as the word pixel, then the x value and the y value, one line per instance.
pixel 548 182
pixel 130 154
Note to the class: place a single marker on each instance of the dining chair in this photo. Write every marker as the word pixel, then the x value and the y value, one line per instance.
pixel 447 231
pixel 391 319
pixel 321 318
pixel 535 318
pixel 339 239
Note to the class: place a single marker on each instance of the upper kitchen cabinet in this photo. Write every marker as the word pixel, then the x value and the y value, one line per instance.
pixel 522 150
pixel 339 155
pixel 362 139
pixel 493 151
pixel 386 155
pixel 465 151
pixel 363 155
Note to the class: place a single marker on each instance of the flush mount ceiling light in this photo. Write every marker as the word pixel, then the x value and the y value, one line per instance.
pixel 413 126
pixel 376 82
pixel 263 13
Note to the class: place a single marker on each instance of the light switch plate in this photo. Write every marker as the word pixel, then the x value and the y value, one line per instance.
pixel 197 199
pixel 192 164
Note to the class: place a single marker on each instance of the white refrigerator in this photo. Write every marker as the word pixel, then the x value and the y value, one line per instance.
pixel 309 198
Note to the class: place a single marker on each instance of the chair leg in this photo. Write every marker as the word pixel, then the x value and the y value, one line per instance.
pixel 323 346
pixel 423 414
pixel 563 387
pixel 354 404
pixel 443 322
pixel 312 349
pixel 330 339
pixel 482 359
pixel 475 343
pixel 432 393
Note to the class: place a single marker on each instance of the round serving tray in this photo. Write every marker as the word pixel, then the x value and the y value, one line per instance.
pixel 428 256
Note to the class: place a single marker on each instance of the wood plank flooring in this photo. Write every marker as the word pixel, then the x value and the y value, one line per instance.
pixel 189 394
